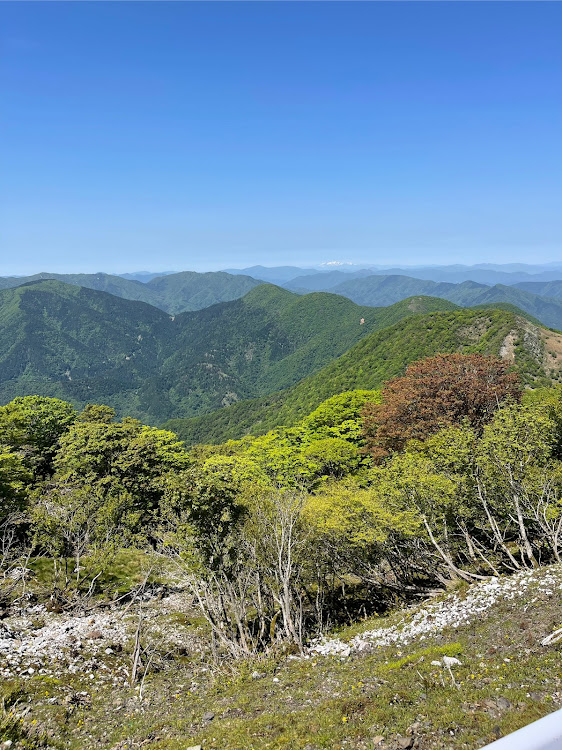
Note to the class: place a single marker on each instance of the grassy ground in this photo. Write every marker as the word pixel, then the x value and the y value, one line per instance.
pixel 387 697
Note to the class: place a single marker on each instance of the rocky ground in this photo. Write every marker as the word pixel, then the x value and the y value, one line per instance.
pixel 455 672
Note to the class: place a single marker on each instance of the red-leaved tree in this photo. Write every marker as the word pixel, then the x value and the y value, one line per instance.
pixel 434 393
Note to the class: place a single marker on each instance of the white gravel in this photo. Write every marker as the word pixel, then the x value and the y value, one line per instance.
pixel 454 611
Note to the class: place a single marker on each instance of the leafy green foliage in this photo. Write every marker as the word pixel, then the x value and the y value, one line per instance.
pixel 33 426
pixel 14 479
pixel 120 457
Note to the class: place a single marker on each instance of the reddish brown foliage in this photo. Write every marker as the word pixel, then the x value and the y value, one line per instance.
pixel 434 393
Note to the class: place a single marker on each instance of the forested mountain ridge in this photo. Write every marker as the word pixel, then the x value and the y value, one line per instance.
pixel 190 291
pixel 89 346
pixel 79 344
pixel 535 352
pixel 173 293
pixel 386 290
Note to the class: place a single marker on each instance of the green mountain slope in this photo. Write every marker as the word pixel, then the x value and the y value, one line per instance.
pixel 173 293
pixel 76 343
pixel 385 290
pixel 267 341
pixel 378 357
pixel 85 345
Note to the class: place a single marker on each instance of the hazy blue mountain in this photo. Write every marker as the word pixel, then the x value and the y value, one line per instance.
pixel 378 290
pixel 143 276
pixel 274 275
pixel 324 281
pixel 491 276
pixel 551 289
pixel 484 273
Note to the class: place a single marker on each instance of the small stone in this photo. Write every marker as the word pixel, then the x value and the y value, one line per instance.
pixel 194 747
pixel 94 635
pixel 405 742
pixel 450 661
pixel 503 704
pixel 378 739
pixel 208 716
pixel 109 651
pixel 276 679
pixel 257 675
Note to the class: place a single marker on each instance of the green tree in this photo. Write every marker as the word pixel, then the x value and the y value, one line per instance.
pixel 340 416
pixel 15 478
pixel 33 426
pixel 518 442
pixel 121 456
pixel 334 456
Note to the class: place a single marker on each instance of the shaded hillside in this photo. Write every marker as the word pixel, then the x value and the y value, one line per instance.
pixel 84 345
pixel 188 290
pixel 386 290
pixel 274 275
pixel 173 293
pixel 79 344
pixel 102 282
pixel 382 355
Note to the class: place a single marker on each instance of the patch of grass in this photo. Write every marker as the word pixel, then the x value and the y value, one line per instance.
pixel 127 569
pixel 451 649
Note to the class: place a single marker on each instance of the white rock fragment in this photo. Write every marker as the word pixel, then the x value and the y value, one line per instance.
pixel 450 661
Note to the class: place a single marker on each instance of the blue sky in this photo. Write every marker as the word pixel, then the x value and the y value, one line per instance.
pixel 170 136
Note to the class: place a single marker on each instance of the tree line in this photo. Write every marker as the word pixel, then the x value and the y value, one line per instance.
pixel 451 471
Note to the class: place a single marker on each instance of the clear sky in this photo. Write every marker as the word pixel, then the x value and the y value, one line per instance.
pixel 204 135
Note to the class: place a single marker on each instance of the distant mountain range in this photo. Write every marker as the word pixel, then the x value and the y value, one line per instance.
pixel 173 293
pixel 385 290
pixel 484 273
pixel 188 291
